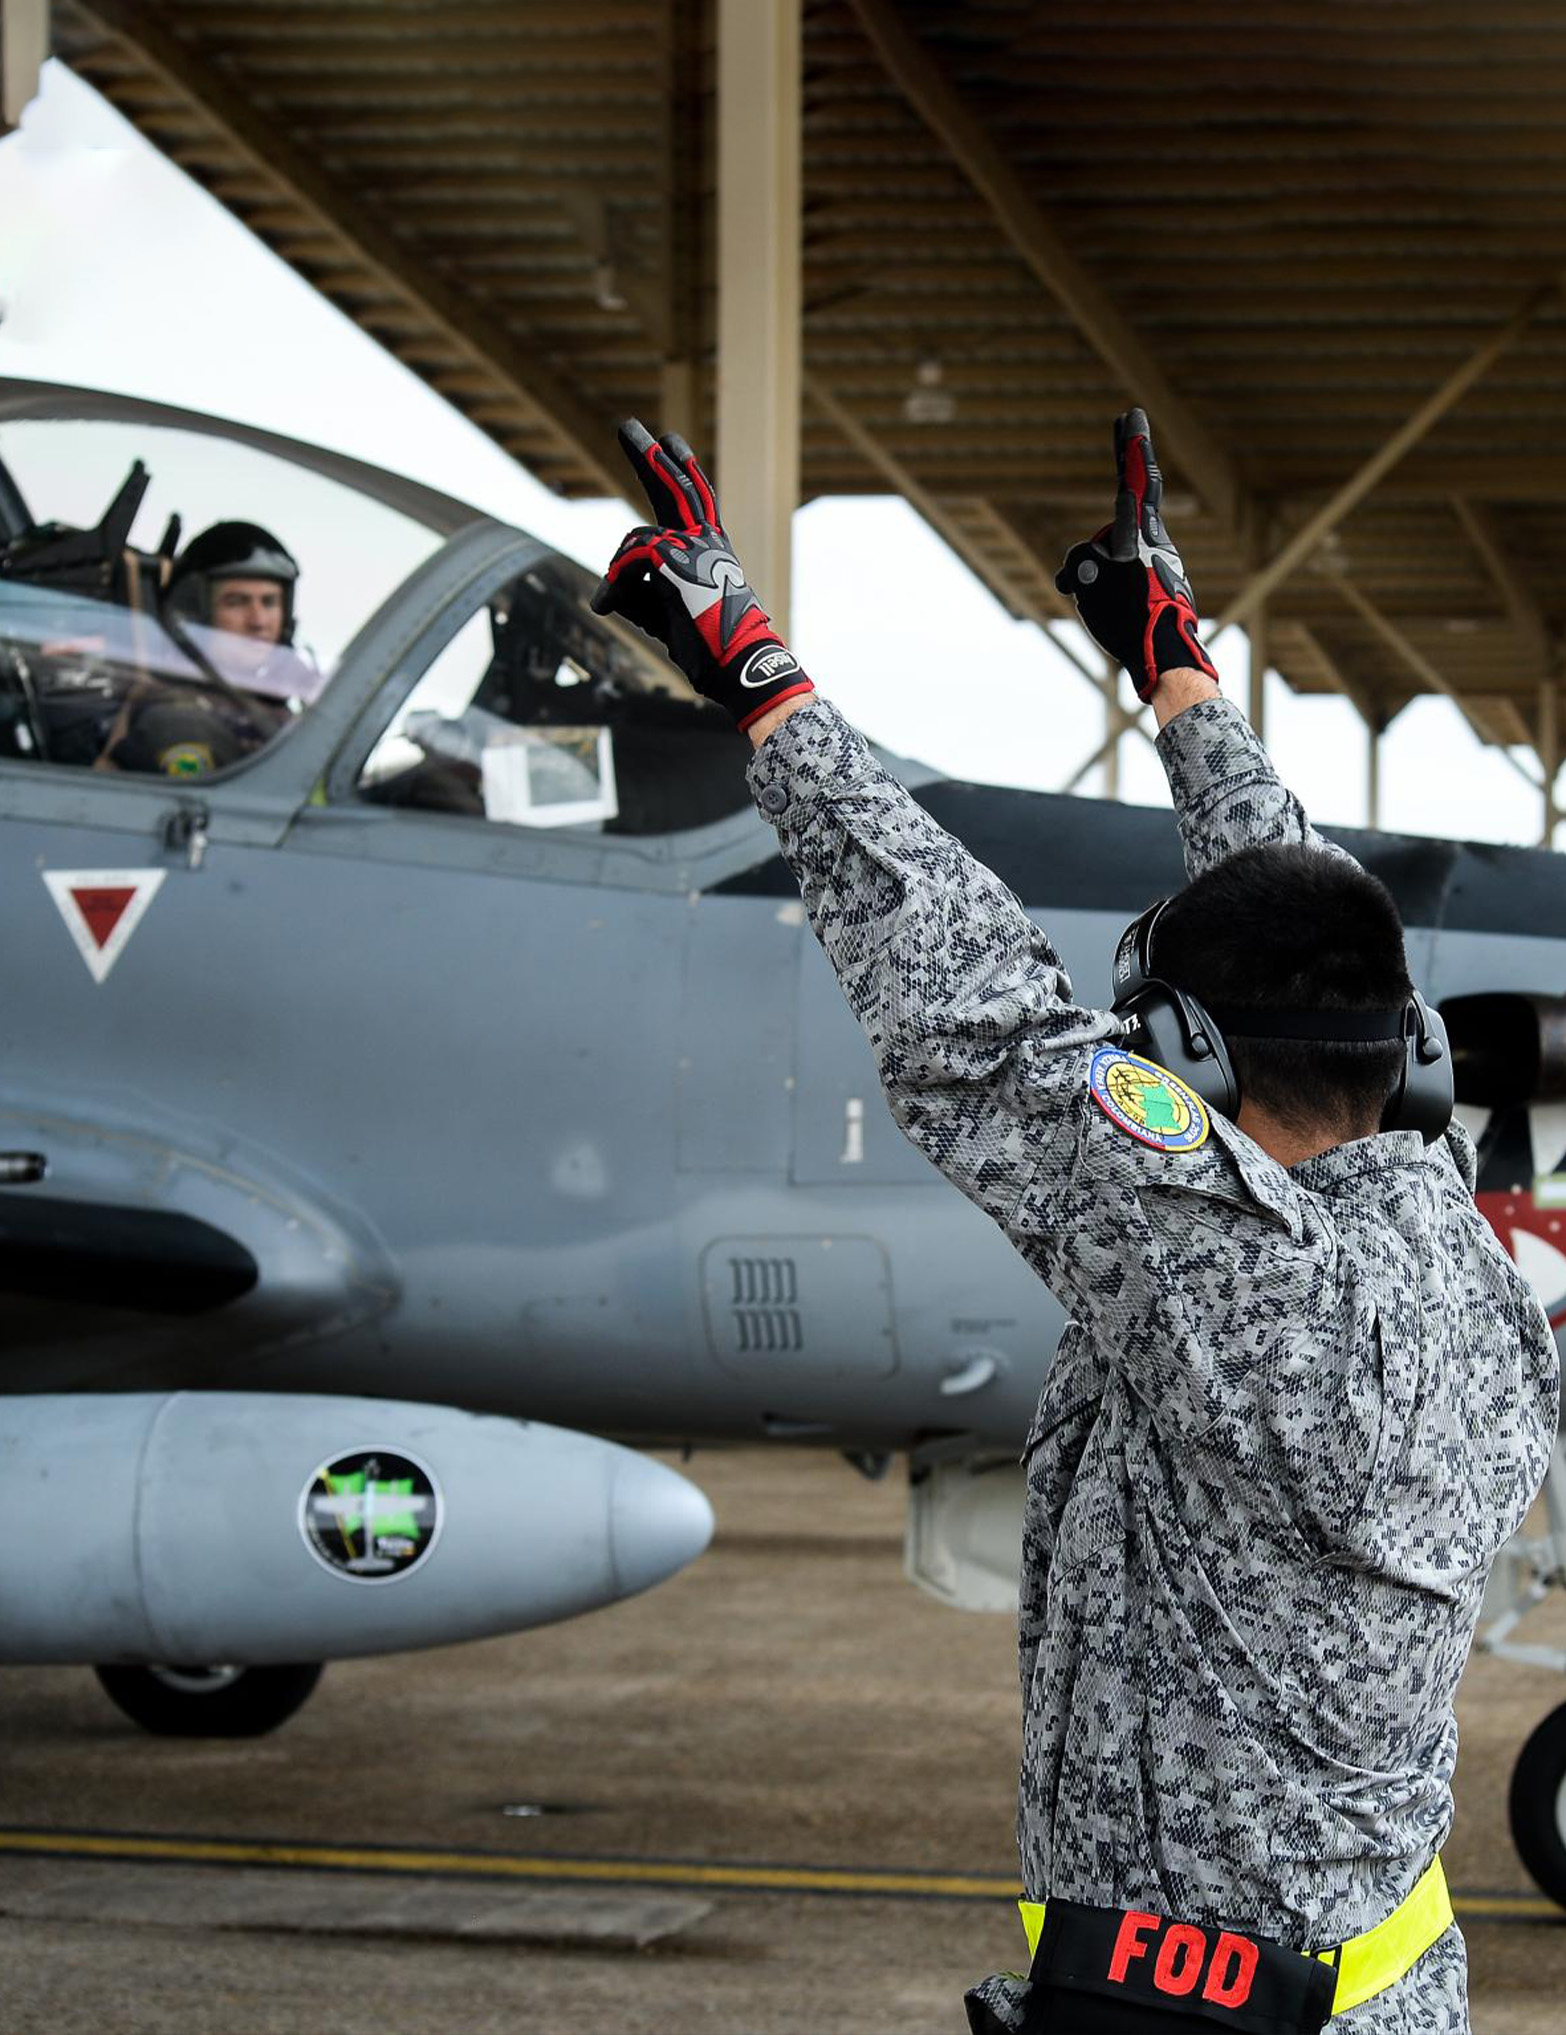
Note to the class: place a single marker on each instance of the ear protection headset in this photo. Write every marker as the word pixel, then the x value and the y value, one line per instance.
pixel 1188 1038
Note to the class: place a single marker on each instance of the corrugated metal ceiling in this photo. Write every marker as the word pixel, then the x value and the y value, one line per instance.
pixel 1309 215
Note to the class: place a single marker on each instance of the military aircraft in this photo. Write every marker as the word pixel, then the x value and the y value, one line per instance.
pixel 418 1082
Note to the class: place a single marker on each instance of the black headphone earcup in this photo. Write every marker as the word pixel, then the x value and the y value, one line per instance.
pixel 1425 1095
pixel 1179 1035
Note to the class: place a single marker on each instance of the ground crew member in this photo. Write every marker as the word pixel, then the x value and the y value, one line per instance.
pixel 1305 1397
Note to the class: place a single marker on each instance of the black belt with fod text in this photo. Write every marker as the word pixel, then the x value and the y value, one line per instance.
pixel 1124 1969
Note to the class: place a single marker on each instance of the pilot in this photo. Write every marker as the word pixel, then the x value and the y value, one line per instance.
pixel 230 600
pixel 239 578
pixel 1305 1397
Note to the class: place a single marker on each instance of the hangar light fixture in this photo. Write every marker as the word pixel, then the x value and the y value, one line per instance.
pixel 929 401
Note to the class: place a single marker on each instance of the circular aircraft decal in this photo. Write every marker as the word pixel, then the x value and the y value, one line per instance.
pixel 371 1514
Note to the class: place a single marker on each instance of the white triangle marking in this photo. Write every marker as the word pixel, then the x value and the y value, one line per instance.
pixel 86 918
pixel 1543 1265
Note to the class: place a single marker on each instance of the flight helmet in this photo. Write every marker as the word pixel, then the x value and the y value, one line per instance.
pixel 229 551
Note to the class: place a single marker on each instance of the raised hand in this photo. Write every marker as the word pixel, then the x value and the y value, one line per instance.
pixel 682 584
pixel 1128 580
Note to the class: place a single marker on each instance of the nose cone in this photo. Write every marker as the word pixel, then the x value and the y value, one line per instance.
pixel 658 1521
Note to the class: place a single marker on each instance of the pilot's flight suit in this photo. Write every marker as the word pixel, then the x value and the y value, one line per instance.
pixel 1294 1417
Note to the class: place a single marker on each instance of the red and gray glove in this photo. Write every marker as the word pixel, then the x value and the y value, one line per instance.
pixel 1128 581
pixel 682 584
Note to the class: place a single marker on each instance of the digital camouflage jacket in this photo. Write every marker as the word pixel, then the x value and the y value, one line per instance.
pixel 1295 1415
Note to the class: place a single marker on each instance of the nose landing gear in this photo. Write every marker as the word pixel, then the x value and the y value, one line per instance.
pixel 209 1702
pixel 1526 1571
pixel 1537 1805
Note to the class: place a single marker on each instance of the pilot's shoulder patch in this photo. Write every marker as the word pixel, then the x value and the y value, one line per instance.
pixel 1147 1102
pixel 186 759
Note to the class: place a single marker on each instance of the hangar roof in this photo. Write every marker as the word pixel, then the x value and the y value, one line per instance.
pixel 1285 225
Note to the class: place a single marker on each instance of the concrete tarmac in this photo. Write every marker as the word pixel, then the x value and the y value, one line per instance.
pixel 775 1796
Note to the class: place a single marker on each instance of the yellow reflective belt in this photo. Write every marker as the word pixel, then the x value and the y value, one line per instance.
pixel 1367 1964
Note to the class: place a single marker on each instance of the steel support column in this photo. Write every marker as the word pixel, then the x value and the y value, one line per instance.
pixel 1114 727
pixel 1261 657
pixel 1549 739
pixel 679 401
pixel 759 286
pixel 1372 776
pixel 24 43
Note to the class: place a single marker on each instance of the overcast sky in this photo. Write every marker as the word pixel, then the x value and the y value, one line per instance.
pixel 117 272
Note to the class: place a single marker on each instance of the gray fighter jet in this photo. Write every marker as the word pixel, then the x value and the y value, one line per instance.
pixel 418 1082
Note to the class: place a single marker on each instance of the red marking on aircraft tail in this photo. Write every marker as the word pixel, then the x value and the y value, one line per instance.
pixel 1512 1213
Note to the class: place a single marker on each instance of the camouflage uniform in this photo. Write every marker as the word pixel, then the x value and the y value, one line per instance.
pixel 1294 1417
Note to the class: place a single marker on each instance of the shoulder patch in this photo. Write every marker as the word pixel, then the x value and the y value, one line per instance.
pixel 1147 1102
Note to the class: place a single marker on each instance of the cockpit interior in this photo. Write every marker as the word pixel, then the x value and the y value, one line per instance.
pixel 129 649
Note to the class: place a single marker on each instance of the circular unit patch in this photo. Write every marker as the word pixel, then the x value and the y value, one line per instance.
pixel 186 759
pixel 371 1514
pixel 1147 1102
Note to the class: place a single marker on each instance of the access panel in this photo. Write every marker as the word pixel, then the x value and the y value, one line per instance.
pixel 793 1309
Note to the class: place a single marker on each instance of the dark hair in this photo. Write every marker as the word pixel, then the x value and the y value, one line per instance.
pixel 1282 927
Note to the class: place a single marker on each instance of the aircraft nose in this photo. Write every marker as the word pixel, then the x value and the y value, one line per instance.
pixel 658 1521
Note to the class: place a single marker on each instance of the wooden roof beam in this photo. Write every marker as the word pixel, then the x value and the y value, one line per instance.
pixel 257 140
pixel 1373 715
pixel 1429 675
pixel 1204 462
pixel 1522 604
pixel 1071 491
pixel 1013 595
pixel 1326 519
pixel 1007 590
pixel 539 23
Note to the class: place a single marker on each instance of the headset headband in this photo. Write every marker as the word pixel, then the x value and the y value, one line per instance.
pixel 1188 1039
pixel 1337 1027
pixel 1134 968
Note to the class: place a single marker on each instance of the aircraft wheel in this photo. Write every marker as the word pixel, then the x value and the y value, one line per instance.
pixel 209 1702
pixel 1538 1805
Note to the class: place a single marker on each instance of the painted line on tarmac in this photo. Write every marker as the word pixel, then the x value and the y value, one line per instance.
pixel 129 1849
pixel 744 1879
